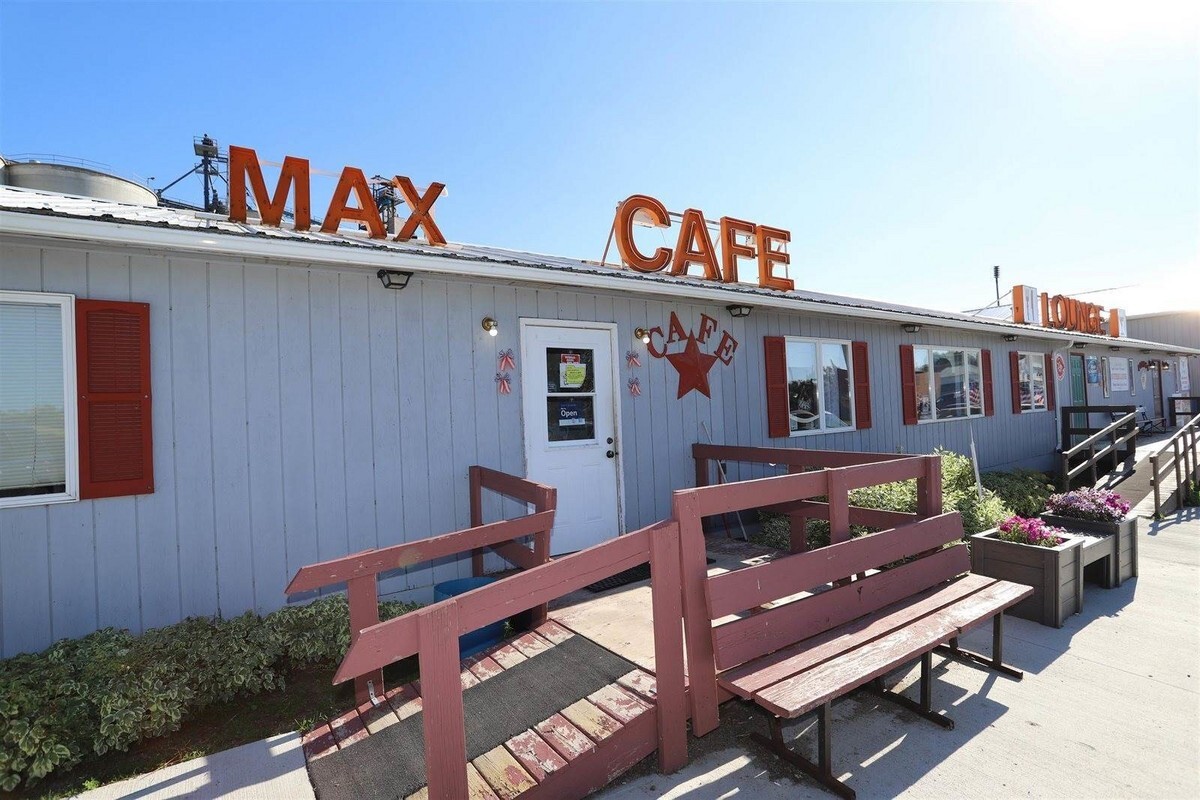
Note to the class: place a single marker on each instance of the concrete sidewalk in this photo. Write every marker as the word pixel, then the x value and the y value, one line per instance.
pixel 1110 707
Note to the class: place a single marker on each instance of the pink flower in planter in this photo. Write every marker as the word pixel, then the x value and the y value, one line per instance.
pixel 1100 505
pixel 1030 531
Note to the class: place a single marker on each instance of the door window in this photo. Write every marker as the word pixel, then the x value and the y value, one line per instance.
pixel 570 395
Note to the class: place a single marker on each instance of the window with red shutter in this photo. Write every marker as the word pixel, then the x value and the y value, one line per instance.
pixel 1049 361
pixel 989 404
pixel 908 385
pixel 1014 375
pixel 862 386
pixel 775 361
pixel 112 341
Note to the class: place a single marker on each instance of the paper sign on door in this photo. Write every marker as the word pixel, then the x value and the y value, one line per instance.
pixel 571 373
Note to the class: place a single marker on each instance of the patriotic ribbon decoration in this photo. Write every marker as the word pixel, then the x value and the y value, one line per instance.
pixel 507 360
pixel 635 387
pixel 504 382
pixel 632 359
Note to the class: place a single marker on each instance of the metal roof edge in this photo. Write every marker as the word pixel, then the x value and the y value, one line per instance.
pixel 431 260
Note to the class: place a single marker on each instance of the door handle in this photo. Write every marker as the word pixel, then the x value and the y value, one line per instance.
pixel 611 454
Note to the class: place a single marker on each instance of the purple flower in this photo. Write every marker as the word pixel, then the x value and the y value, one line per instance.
pixel 1029 531
pixel 1100 505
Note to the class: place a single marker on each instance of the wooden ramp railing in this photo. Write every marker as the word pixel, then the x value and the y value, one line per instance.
pixel 791 494
pixel 1120 431
pixel 432 634
pixel 360 571
pixel 1184 459
pixel 799 512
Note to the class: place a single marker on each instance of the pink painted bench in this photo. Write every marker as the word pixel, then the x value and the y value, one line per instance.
pixel 794 634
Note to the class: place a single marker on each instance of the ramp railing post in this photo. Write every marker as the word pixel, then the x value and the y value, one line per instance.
pixel 666 600
pixel 475 474
pixel 362 595
pixel 442 702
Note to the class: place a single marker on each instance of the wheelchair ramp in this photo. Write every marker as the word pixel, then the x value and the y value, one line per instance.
pixel 549 714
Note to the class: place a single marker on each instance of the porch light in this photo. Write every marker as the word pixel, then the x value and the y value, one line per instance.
pixel 393 278
pixel 642 335
pixel 1010 337
pixel 1114 348
pixel 1079 345
pixel 738 311
pixel 911 327
pixel 490 326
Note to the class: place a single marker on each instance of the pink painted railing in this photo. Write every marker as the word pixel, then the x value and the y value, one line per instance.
pixel 360 571
pixel 432 634
pixel 797 461
pixel 791 494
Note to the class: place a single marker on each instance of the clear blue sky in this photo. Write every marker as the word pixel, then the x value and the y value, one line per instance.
pixel 907 147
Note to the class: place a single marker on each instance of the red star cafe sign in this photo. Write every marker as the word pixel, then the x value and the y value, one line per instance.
pixel 691 352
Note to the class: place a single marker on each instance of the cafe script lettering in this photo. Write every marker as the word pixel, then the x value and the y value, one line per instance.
pixel 694 245
pixel 691 352
pixel 244 168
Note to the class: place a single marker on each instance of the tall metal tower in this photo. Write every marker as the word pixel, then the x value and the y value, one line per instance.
pixel 209 169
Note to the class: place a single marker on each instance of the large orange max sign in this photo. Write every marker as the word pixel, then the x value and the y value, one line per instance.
pixel 293 178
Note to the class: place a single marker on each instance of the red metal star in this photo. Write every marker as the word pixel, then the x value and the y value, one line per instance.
pixel 692 366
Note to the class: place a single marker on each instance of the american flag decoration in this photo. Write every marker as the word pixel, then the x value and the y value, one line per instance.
pixel 507 360
pixel 632 359
pixel 504 382
pixel 635 387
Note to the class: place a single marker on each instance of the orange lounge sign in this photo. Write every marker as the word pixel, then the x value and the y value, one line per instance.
pixel 293 178
pixel 1065 313
pixel 694 245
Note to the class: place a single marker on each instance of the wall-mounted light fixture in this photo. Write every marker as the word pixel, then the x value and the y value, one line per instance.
pixel 642 335
pixel 1010 337
pixel 393 278
pixel 1114 348
pixel 738 311
pixel 1079 345
pixel 1145 352
pixel 911 327
pixel 490 326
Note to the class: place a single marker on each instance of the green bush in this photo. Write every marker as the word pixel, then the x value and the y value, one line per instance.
pixel 84 697
pixel 1022 490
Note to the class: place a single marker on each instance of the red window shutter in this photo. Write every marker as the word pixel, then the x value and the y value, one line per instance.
pixel 775 359
pixel 908 384
pixel 985 360
pixel 862 385
pixel 1050 381
pixel 1014 369
pixel 112 345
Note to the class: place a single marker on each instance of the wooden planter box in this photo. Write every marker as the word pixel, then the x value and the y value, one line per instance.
pixel 1055 573
pixel 1118 541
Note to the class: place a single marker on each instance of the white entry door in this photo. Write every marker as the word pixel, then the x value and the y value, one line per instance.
pixel 568 383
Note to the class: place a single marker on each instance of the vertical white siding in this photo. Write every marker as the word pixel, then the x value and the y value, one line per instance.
pixel 302 414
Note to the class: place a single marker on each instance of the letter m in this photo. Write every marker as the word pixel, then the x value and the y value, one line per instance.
pixel 243 164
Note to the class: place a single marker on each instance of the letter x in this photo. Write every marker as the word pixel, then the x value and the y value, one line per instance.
pixel 421 205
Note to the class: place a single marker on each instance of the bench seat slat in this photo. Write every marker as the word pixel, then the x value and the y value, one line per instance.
pixel 748 638
pixel 748 678
pixel 737 591
pixel 830 679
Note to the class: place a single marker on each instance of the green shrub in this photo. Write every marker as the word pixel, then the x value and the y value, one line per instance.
pixel 83 697
pixel 1022 490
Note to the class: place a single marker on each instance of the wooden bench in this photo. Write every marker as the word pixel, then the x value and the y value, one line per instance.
pixel 794 634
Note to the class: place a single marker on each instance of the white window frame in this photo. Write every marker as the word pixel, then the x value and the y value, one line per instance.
pixel 1045 379
pixel 933 405
pixel 820 394
pixel 66 304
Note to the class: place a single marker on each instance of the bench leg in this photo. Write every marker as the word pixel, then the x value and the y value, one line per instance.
pixel 822 771
pixel 996 662
pixel 925 707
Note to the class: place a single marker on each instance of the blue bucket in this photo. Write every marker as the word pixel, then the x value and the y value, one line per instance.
pixel 481 639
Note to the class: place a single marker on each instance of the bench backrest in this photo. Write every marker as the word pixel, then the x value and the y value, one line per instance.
pixel 835 598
